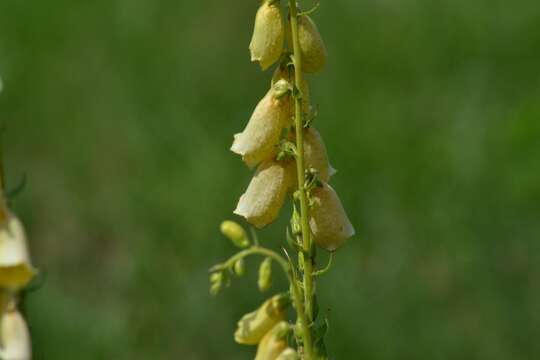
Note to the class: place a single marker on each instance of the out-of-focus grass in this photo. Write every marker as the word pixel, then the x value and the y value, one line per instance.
pixel 121 113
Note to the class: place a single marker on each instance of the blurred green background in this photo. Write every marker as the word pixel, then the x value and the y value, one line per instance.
pixel 121 113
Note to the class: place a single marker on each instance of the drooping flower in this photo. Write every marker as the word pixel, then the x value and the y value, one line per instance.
pixel 16 269
pixel 288 354
pixel 253 326
pixel 273 343
pixel 259 140
pixel 14 336
pixel 266 193
pixel 328 220
pixel 268 37
pixel 315 154
pixel 312 45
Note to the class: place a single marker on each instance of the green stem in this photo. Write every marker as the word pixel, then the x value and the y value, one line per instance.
pixel 254 250
pixel 300 169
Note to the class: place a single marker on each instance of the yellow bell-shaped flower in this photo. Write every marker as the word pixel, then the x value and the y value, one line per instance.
pixel 312 45
pixel 288 354
pixel 16 269
pixel 328 220
pixel 259 140
pixel 268 37
pixel 14 337
pixel 315 154
pixel 266 193
pixel 253 326
pixel 273 343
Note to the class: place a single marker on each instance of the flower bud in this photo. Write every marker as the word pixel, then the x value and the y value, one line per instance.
pixel 235 233
pixel 268 37
pixel 265 275
pixel 259 140
pixel 216 282
pixel 266 193
pixel 240 267
pixel 328 221
pixel 273 343
pixel 16 270
pixel 288 354
pixel 312 45
pixel 14 337
pixel 253 326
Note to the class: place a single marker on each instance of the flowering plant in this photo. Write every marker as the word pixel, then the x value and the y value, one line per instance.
pixel 292 162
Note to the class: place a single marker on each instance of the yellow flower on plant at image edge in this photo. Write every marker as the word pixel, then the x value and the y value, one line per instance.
pixel 16 269
pixel 14 336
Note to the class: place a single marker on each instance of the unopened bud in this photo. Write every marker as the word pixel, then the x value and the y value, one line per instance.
pixel 253 326
pixel 239 267
pixel 288 354
pixel 268 37
pixel 16 269
pixel 265 195
pixel 265 275
pixel 329 222
pixel 14 336
pixel 235 233
pixel 259 140
pixel 216 282
pixel 274 342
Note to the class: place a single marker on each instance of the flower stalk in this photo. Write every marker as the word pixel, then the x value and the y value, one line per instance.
pixel 301 170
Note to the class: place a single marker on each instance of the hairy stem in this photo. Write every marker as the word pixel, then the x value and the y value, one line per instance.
pixel 300 169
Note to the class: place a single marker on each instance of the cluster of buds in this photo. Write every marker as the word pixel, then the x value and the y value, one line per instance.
pixel 16 271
